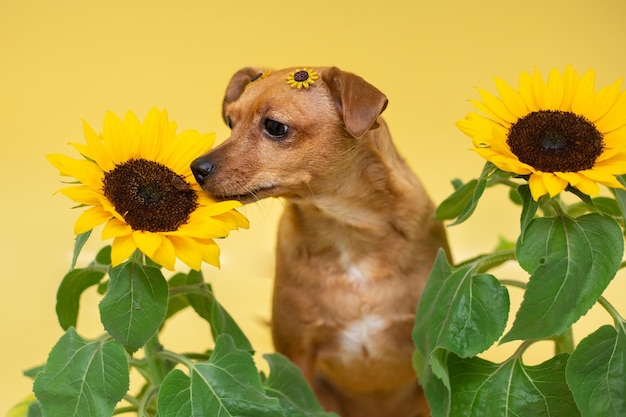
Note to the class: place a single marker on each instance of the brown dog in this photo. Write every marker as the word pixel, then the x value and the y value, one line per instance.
pixel 357 238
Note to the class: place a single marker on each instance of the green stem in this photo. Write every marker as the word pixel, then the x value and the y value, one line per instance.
pixel 123 410
pixel 522 348
pixel 513 283
pixel 199 289
pixel 156 368
pixel 483 263
pixel 564 343
pixel 177 358
pixel 610 309
pixel 144 405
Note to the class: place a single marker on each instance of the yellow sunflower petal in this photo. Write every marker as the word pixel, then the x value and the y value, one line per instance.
pixel 83 170
pixel 553 183
pixel 615 118
pixel 115 228
pixel 147 242
pixel 165 254
pixel 94 149
pixel 569 80
pixel 579 181
pixel 115 138
pixel 496 107
pixel 202 228
pixel 512 99
pixel 132 128
pixel 188 251
pixel 526 91
pixel 210 252
pixel 122 248
pixel 539 90
pixel 554 91
pixel 91 218
pixel 604 178
pixel 189 145
pixel 604 100
pixel 234 220
pixel 616 139
pixel 613 162
pixel 483 131
pixel 153 133
pixel 537 187
pixel 82 194
pixel 582 98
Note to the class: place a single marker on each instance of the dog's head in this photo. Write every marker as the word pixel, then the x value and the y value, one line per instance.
pixel 289 131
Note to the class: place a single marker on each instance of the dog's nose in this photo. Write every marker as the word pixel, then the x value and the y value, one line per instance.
pixel 202 168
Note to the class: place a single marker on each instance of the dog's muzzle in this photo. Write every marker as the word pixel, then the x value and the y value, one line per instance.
pixel 202 168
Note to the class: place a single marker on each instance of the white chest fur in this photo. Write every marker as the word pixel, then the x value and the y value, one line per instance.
pixel 358 338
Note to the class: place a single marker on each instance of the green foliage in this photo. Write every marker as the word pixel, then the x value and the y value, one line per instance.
pixel 571 251
pixel 135 304
pixel 562 252
pixel 482 388
pixel 84 377
pixel 460 301
pixel 228 384
pixel 287 384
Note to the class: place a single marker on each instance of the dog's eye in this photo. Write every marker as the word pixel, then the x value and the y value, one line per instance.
pixel 275 129
pixel 228 121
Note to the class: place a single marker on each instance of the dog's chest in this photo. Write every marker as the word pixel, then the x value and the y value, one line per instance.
pixel 367 300
pixel 371 322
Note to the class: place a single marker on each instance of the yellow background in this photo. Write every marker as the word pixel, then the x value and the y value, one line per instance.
pixel 63 61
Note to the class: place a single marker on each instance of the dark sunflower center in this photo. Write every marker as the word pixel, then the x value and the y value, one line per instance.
pixel 301 76
pixel 149 195
pixel 555 141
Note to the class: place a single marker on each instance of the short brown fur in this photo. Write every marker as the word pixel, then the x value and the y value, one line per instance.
pixel 356 241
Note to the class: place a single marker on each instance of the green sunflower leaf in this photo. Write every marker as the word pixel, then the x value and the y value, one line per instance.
pixel 436 387
pixel 79 242
pixel 176 302
pixel 462 203
pixel 82 378
pixel 459 310
pixel 287 384
pixel 207 307
pixel 227 385
pixel 464 200
pixel 34 410
pixel 481 388
pixel 602 205
pixel 572 261
pixel 529 206
pixel 135 304
pixel 595 373
pixel 72 287
pixel 620 196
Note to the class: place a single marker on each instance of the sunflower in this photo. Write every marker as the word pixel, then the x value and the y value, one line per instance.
pixel 557 133
pixel 136 180
pixel 300 78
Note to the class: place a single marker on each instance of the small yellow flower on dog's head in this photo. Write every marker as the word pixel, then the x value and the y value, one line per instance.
pixel 302 78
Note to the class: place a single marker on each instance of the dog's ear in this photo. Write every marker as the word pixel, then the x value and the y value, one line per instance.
pixel 238 84
pixel 358 102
